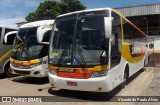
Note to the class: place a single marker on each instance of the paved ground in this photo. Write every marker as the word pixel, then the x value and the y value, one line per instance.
pixel 141 84
pixel 154 87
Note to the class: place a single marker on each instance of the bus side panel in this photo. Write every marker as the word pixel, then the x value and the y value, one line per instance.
pixel 117 73
pixel 4 51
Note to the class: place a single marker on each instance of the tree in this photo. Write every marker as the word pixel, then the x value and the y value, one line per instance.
pixel 74 5
pixel 50 9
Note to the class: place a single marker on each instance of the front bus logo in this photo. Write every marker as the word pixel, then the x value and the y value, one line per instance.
pixel 66 70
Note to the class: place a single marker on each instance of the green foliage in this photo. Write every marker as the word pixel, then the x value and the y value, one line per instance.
pixel 74 5
pixel 50 9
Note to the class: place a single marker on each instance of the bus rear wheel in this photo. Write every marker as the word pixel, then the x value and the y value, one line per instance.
pixel 125 77
pixel 123 84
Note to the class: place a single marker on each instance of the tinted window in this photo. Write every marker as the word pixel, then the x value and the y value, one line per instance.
pixel 116 40
pixel 10 38
pixel 46 36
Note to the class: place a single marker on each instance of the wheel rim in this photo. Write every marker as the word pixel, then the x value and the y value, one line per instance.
pixel 125 77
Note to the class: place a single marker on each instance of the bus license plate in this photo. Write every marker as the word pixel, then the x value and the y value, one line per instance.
pixel 72 83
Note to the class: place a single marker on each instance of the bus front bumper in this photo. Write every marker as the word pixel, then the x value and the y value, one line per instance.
pixel 98 84
pixel 38 71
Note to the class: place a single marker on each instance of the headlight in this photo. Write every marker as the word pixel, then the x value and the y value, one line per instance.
pixel 52 72
pixel 99 74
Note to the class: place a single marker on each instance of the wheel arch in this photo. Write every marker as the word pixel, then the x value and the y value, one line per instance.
pixel 126 69
pixel 7 63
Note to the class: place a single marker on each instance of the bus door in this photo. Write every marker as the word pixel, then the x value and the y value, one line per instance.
pixel 115 51
pixel 116 41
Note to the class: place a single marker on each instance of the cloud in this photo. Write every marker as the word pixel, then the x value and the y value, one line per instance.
pixel 31 3
pixel 11 21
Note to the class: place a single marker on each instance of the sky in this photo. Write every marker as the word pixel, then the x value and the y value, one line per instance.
pixel 13 11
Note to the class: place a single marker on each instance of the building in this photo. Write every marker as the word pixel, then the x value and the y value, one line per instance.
pixel 21 23
pixel 146 17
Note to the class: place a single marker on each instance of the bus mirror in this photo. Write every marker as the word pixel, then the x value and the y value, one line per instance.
pixel 46 36
pixel 9 37
pixel 43 34
pixel 108 26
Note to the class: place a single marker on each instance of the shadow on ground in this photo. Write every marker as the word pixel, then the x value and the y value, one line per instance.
pixel 2 76
pixel 30 80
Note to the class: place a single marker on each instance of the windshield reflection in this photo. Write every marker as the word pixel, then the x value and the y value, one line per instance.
pixel 28 48
pixel 79 40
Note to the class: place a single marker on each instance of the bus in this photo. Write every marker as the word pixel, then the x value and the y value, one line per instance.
pixel 5 51
pixel 94 50
pixel 28 56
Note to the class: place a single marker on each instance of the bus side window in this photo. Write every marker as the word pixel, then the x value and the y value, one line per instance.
pixel 116 41
pixel 115 54
pixel 10 38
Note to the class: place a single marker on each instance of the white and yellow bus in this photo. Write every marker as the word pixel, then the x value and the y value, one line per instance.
pixel 28 56
pixel 95 50
pixel 5 50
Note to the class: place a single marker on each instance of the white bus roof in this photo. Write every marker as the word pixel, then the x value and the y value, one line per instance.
pixel 37 23
pixel 87 10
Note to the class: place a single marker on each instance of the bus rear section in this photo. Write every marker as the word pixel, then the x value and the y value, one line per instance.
pixel 5 50
pixel 89 50
pixel 28 56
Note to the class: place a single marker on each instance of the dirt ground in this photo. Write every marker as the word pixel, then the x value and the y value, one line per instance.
pixel 145 83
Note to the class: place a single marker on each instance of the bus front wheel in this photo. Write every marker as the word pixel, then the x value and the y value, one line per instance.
pixel 124 80
pixel 8 71
pixel 125 77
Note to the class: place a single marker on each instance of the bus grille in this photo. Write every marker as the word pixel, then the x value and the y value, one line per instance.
pixel 22 72
pixel 79 74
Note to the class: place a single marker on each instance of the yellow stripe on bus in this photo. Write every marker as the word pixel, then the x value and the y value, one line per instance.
pixel 34 61
pixel 126 54
pixel 31 61
pixel 5 55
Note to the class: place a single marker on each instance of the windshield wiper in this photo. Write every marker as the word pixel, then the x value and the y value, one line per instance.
pixel 79 50
pixel 60 59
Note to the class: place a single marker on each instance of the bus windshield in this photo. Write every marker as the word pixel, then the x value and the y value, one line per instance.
pixel 79 40
pixel 26 46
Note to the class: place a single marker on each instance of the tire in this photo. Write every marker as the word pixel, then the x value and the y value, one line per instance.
pixel 143 69
pixel 8 71
pixel 123 84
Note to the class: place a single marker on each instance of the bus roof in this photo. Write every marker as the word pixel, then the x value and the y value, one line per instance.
pixel 83 11
pixel 101 9
pixel 37 23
